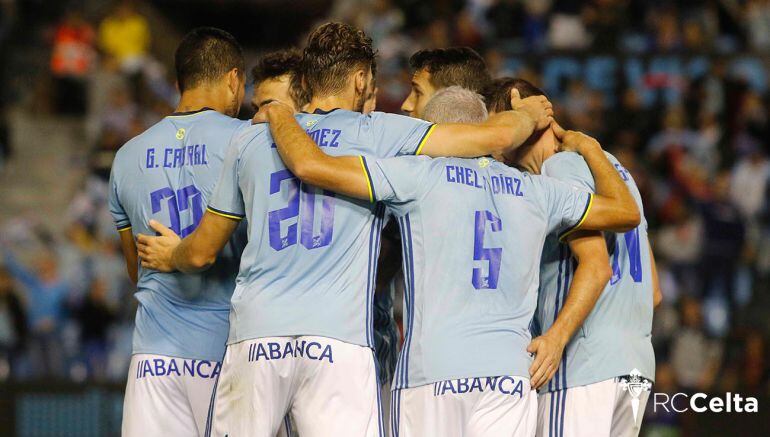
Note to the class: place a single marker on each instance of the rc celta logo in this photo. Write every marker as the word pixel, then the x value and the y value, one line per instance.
pixel 701 403
pixel 635 385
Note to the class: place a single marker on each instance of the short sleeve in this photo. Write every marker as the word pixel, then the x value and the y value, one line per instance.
pixel 565 205
pixel 395 135
pixel 399 181
pixel 119 215
pixel 571 168
pixel 227 200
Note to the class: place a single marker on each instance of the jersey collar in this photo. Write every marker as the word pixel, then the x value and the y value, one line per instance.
pixel 177 114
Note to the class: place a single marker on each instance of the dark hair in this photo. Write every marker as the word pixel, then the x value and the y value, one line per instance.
pixel 276 64
pixel 206 54
pixel 498 93
pixel 333 51
pixel 453 66
pixel 279 63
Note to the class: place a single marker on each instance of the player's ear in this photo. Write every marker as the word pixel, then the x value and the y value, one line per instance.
pixel 361 80
pixel 234 80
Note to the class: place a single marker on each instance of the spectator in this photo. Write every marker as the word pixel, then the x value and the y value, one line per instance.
pixel 72 60
pixel 724 233
pixel 758 21
pixel 695 357
pixel 124 35
pixel 95 317
pixel 5 141
pixel 45 296
pixel 13 325
pixel 748 189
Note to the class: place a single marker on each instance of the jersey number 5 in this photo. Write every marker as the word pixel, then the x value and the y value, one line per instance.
pixel 481 253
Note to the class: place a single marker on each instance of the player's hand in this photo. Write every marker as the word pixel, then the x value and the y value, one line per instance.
pixel 155 252
pixel 538 108
pixel 573 141
pixel 548 350
pixel 264 113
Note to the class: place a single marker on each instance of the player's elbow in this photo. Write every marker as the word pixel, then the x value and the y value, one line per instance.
pixel 201 261
pixel 657 297
pixel 604 273
pixel 600 271
pixel 308 170
pixel 629 218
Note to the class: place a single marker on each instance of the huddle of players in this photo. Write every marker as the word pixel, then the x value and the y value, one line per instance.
pixel 472 233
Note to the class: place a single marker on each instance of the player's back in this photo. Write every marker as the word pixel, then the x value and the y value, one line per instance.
pixel 615 337
pixel 472 234
pixel 309 265
pixel 167 173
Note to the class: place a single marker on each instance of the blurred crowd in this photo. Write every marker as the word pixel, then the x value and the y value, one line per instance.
pixel 700 159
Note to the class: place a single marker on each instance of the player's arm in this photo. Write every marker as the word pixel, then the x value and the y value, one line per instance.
pixel 128 245
pixel 194 253
pixel 591 276
pixel 612 208
pixel 342 174
pixel 657 294
pixel 500 133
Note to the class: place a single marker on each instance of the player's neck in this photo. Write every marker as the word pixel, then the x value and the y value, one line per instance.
pixel 532 160
pixel 201 97
pixel 327 103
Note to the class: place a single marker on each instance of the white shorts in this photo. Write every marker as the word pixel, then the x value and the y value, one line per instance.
pixel 167 396
pixel 602 409
pixel 470 407
pixel 330 388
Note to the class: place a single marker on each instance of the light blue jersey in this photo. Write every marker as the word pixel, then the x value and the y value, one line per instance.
pixel 167 173
pixel 310 262
pixel 615 337
pixel 472 234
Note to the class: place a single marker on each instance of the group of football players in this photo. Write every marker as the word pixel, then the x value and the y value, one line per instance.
pixel 265 300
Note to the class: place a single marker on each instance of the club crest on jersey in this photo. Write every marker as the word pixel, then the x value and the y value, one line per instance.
pixel 484 162
pixel 635 384
pixel 180 133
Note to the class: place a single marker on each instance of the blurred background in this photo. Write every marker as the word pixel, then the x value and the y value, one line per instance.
pixel 677 90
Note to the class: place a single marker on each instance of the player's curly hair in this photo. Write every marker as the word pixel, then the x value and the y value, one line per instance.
pixel 333 51
pixel 452 66
pixel 279 63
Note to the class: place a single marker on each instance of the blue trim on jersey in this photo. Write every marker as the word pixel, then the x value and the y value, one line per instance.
pixel 210 415
pixel 402 356
pixel 287 424
pixel 381 427
pixel 563 395
pixel 395 414
pixel 368 322
pixel 410 266
pixel 555 380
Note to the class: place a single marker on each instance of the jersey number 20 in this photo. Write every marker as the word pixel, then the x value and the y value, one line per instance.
pixel 302 203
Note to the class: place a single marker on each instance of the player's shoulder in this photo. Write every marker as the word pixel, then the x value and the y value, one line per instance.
pixel 215 118
pixel 150 137
pixel 563 160
pixel 568 166
pixel 247 135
